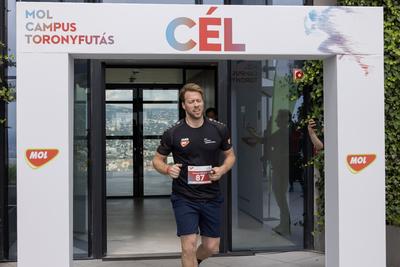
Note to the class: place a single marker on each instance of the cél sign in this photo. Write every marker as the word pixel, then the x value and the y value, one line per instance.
pixel 358 162
pixel 38 157
pixel 204 34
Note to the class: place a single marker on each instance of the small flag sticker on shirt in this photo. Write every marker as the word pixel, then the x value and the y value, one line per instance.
pixel 38 157
pixel 358 162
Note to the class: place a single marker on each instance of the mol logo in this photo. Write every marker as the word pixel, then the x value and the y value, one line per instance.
pixel 358 162
pixel 204 33
pixel 36 158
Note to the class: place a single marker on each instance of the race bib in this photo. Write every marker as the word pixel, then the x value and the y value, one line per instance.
pixel 199 174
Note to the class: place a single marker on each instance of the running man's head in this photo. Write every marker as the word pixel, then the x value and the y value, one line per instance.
pixel 192 98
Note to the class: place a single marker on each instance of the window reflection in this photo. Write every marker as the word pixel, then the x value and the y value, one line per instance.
pixel 154 183
pixel 81 158
pixel 151 1
pixel 144 76
pixel 119 167
pixel 213 2
pixel 119 119
pixel 160 95
pixel 119 95
pixel 158 117
pixel 267 182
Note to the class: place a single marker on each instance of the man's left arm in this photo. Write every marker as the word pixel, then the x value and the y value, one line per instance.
pixel 229 160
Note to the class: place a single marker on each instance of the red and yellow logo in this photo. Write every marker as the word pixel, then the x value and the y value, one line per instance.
pixel 184 142
pixel 358 162
pixel 37 157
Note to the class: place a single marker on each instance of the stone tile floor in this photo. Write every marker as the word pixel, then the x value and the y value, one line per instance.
pixel 285 259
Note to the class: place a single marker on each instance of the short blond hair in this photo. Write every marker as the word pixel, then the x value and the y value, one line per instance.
pixel 190 87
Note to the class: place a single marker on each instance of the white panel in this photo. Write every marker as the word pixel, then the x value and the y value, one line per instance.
pixel 44 197
pixel 142 29
pixel 331 169
pixel 355 203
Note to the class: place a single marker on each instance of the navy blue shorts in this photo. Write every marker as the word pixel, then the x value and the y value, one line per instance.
pixel 192 216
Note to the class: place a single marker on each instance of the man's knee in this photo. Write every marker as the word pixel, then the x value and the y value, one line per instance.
pixel 211 247
pixel 189 245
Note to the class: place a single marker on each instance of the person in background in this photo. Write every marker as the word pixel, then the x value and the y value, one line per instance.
pixel 318 144
pixel 212 113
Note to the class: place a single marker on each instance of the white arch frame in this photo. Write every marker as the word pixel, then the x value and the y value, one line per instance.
pixel 349 40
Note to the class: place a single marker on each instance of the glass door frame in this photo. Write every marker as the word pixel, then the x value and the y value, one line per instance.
pixel 97 161
pixel 137 132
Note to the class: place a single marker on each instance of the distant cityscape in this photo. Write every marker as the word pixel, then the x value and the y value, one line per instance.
pixel 119 122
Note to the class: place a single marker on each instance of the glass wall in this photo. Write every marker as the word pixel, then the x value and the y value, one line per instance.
pixel 12 178
pixel 81 157
pixel 267 184
pixel 151 1
pixel 11 208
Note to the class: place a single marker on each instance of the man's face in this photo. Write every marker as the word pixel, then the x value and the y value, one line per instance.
pixel 193 105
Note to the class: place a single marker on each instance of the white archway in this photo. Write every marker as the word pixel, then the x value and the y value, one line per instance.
pixel 350 40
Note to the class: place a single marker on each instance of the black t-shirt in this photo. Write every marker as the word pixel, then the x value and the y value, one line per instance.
pixel 195 147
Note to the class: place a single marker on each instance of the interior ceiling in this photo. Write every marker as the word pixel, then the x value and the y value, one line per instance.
pixel 152 62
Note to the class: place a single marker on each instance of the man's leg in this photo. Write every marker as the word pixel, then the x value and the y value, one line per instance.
pixel 189 244
pixel 210 226
pixel 208 247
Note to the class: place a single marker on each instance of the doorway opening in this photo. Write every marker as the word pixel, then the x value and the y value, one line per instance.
pixel 140 104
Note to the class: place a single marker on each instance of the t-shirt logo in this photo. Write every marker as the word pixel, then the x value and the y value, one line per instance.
pixel 184 142
pixel 209 141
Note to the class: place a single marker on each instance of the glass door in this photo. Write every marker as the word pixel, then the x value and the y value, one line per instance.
pixel 120 132
pixel 136 118
pixel 135 121
pixel 160 110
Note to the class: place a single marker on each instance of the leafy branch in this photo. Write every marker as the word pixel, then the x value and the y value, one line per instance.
pixel 7 92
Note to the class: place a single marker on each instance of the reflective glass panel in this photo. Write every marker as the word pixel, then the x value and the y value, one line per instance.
pixel 158 117
pixel 151 1
pixel 81 158
pixel 119 167
pixel 154 182
pixel 160 95
pixel 12 180
pixel 267 182
pixel 74 1
pixel 143 76
pixel 119 95
pixel 119 120
pixel 213 2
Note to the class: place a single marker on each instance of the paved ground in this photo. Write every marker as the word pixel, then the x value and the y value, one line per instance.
pixel 287 259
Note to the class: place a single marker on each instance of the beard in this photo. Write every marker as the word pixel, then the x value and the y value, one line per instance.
pixel 195 114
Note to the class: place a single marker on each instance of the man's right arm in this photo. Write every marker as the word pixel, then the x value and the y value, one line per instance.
pixel 159 163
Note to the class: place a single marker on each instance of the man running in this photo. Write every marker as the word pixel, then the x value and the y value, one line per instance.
pixel 195 143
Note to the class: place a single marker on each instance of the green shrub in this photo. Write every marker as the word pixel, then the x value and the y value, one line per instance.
pixel 313 79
